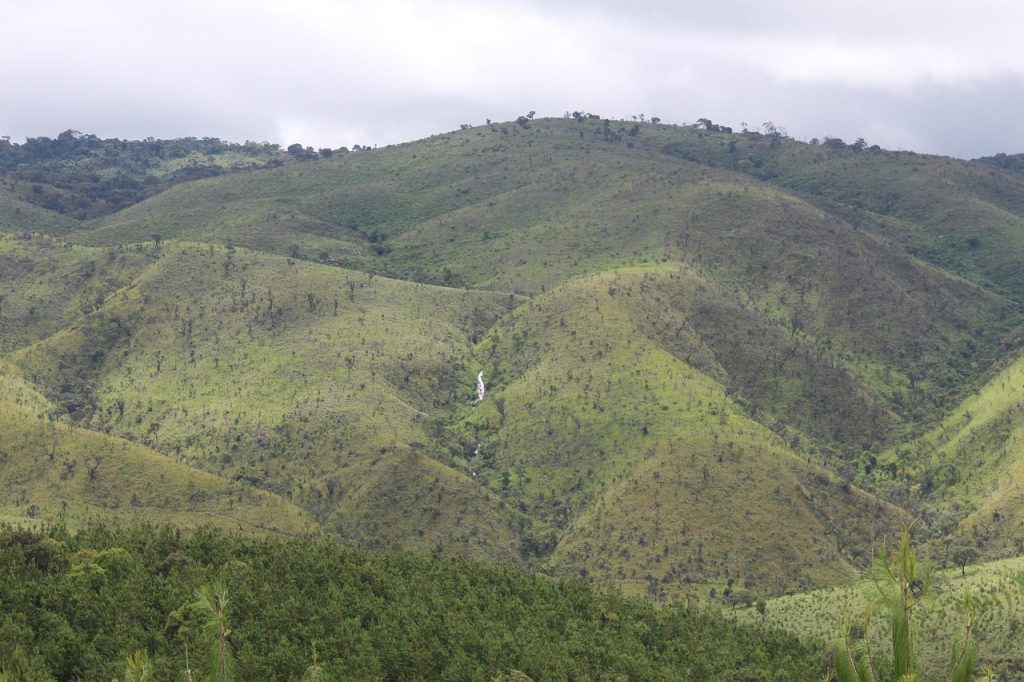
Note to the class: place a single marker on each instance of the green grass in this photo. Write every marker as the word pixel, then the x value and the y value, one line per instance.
pixel 319 384
pixel 997 588
pixel 652 476
pixel 51 470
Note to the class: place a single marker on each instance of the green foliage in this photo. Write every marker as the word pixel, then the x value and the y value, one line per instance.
pixel 372 615
pixel 211 603
pixel 902 584
pixel 138 667
pixel 83 176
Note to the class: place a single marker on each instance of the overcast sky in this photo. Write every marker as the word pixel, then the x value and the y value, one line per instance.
pixel 930 76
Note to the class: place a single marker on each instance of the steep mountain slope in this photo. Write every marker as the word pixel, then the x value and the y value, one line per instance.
pixel 524 209
pixel 695 345
pixel 332 388
pixel 49 469
pixel 963 216
pixel 971 464
pixel 47 284
pixel 317 383
pixel 652 474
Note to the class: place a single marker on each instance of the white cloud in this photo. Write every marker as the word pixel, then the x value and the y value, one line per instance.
pixel 332 72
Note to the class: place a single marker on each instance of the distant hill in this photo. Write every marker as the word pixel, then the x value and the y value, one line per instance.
pixel 715 363
pixel 82 176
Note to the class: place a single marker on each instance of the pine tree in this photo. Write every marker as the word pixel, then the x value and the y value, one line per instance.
pixel 211 602
pixel 903 583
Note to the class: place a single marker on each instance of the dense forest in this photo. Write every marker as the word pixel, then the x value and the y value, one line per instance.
pixel 84 176
pixel 77 605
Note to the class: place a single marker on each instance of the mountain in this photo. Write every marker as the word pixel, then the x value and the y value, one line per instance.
pixel 714 362
pixel 51 470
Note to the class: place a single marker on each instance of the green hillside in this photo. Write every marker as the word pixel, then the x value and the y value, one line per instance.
pixel 599 427
pixel 963 216
pixel 715 363
pixel 971 464
pixel 522 210
pixel 47 284
pixel 316 383
pixel 17 215
pixel 75 177
pixel 337 390
pixel 50 469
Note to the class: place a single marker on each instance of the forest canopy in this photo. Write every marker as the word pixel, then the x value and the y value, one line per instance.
pixel 76 605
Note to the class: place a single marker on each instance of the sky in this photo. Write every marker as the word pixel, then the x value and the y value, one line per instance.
pixel 927 76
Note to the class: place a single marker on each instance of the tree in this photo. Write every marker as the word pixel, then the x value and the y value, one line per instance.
pixel 138 668
pixel 902 583
pixel 211 603
pixel 963 556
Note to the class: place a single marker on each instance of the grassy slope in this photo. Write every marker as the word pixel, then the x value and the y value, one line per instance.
pixel 209 374
pixel 17 215
pixel 966 217
pixel 772 281
pixel 47 284
pixel 652 474
pixel 972 463
pixel 526 209
pixel 998 590
pixel 50 469
pixel 314 382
